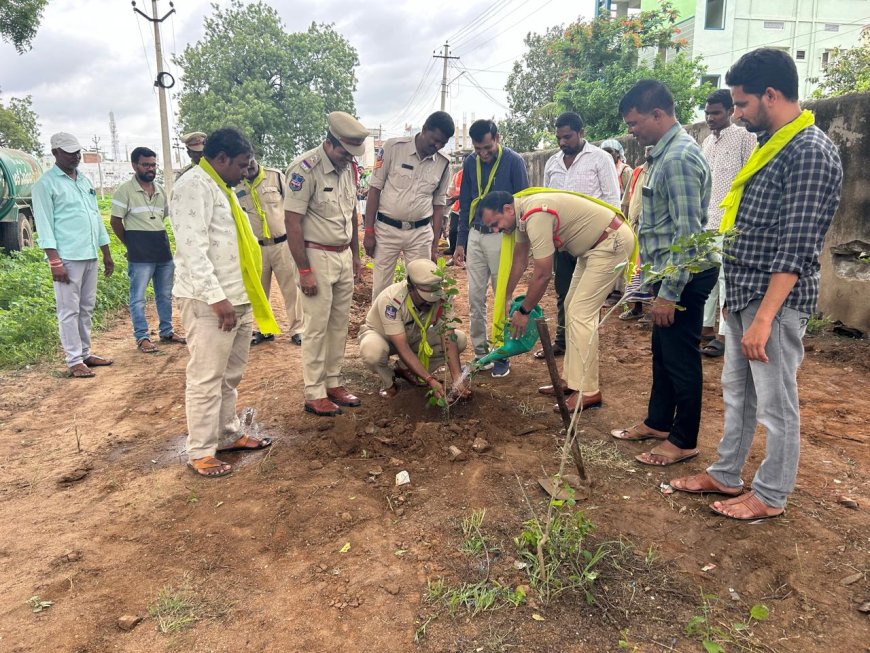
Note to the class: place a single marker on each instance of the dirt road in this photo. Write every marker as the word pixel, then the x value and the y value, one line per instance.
pixel 310 547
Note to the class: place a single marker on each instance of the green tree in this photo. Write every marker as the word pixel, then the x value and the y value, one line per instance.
pixel 18 126
pixel 588 66
pixel 531 89
pixel 277 87
pixel 848 71
pixel 19 20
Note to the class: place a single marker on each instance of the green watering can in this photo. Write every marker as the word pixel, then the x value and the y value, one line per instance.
pixel 514 346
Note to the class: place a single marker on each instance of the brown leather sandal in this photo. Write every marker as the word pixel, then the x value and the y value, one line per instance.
pixel 205 466
pixel 146 346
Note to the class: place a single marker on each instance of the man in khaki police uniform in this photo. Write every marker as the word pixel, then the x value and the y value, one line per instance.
pixel 194 142
pixel 395 324
pixel 590 231
pixel 407 196
pixel 261 196
pixel 321 221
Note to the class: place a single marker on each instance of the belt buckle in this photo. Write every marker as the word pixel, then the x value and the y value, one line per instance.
pixel 407 226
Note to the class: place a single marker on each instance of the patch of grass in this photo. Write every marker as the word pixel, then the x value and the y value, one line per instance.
pixel 558 561
pixel 28 322
pixel 817 323
pixel 474 597
pixel 177 607
pixel 473 541
pixel 715 635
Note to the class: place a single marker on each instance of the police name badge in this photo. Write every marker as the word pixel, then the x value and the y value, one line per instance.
pixel 296 181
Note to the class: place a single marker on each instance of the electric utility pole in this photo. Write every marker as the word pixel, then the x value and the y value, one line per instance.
pixel 444 84
pixel 163 81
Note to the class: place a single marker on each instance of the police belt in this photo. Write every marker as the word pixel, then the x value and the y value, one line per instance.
pixel 326 248
pixel 272 241
pixel 399 224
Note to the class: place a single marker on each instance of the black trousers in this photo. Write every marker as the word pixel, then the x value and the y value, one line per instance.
pixel 677 385
pixel 564 264
pixel 452 232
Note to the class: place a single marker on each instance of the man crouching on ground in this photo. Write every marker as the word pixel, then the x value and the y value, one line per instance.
pixel 409 317
pixel 217 283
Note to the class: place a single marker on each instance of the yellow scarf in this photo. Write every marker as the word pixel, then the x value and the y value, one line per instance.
pixel 255 197
pixel 251 260
pixel 424 351
pixel 760 157
pixel 506 259
pixel 482 192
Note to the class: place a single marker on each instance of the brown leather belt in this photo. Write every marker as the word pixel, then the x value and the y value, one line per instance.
pixel 615 224
pixel 326 248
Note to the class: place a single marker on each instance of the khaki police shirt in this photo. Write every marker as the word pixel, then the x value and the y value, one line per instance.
pixel 410 186
pixel 580 223
pixel 271 193
pixel 178 173
pixel 324 195
pixel 389 314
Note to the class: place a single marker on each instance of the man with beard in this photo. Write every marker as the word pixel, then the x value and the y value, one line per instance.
pixel 581 167
pixel 321 220
pixel 139 207
pixel 491 167
pixel 781 203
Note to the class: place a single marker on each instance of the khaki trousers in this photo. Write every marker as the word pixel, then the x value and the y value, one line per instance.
pixel 375 351
pixel 326 317
pixel 592 282
pixel 278 260
pixel 217 361
pixel 413 244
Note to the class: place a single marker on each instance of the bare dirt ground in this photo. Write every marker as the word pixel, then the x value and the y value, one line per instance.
pixel 101 517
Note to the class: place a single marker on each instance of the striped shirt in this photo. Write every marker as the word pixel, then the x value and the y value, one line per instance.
pixel 143 215
pixel 726 154
pixel 784 214
pixel 675 199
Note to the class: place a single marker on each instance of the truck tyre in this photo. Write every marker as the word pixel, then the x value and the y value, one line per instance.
pixel 16 235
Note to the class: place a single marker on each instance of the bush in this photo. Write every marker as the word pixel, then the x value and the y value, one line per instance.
pixel 28 321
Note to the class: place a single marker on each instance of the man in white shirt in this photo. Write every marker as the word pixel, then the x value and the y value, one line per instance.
pixel 581 167
pixel 726 149
pixel 215 307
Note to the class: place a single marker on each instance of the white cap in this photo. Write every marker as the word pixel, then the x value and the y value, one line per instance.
pixel 66 142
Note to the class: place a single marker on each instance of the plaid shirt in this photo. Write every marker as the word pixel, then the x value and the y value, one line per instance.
pixel 783 217
pixel 675 199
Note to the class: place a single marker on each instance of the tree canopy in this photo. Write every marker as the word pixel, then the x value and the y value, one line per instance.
pixel 19 20
pixel 848 71
pixel 588 66
pixel 18 126
pixel 275 86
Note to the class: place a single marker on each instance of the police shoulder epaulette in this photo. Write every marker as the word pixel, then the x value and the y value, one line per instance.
pixel 310 161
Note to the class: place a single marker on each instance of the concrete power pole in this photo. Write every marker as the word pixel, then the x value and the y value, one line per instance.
pixel 164 80
pixel 96 142
pixel 444 84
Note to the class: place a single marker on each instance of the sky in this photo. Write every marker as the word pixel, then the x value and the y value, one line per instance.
pixel 91 57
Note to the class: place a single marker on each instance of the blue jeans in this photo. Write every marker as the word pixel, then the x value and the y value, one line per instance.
pixel 162 275
pixel 766 394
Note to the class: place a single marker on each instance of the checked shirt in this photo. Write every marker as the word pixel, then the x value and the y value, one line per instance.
pixel 675 198
pixel 783 217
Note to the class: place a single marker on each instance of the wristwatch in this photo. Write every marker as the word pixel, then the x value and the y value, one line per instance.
pixel 522 310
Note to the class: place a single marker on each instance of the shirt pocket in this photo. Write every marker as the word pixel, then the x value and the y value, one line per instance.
pixel 271 197
pixel 402 178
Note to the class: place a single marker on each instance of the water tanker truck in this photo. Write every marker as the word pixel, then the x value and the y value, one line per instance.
pixel 18 173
